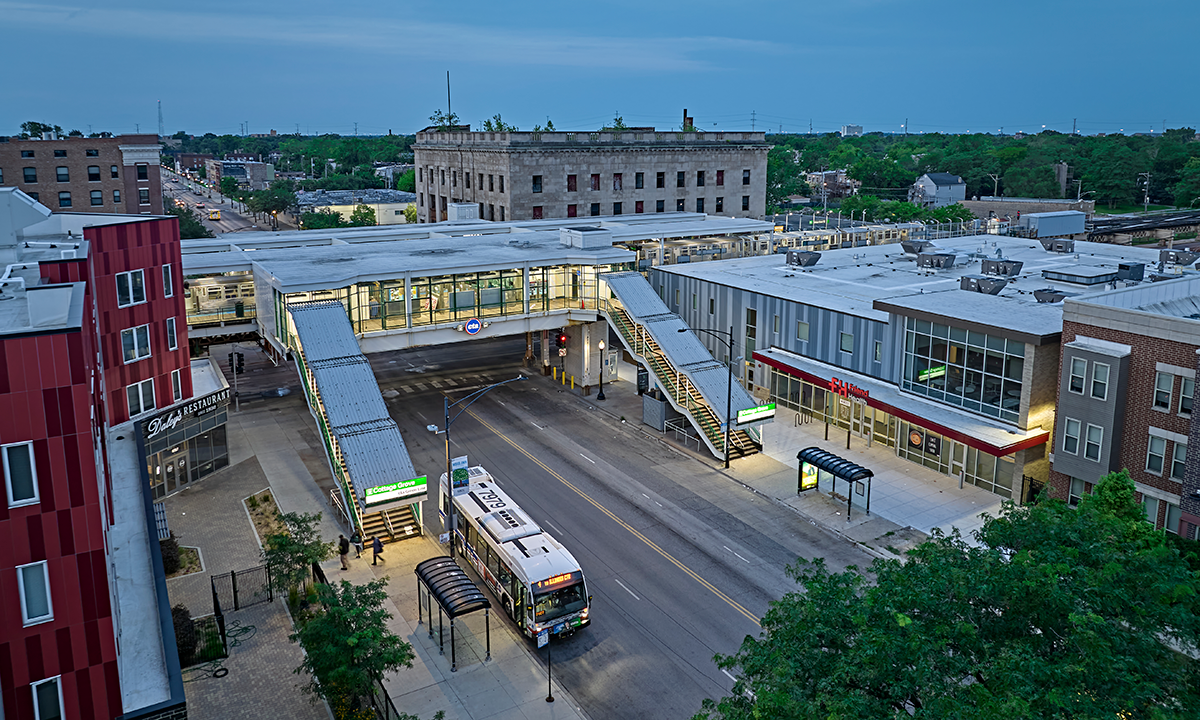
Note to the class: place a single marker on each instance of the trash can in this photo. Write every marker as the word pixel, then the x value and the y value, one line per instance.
pixel 239 309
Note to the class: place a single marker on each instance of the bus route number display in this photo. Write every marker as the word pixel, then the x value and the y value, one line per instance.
pixel 555 581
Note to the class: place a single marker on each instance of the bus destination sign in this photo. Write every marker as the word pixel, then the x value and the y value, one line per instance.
pixel 555 581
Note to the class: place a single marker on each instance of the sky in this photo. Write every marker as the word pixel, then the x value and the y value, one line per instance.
pixel 338 66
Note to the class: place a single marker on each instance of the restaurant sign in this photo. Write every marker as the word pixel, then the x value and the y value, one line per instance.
pixel 169 419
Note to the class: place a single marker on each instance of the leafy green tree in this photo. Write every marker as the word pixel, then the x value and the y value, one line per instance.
pixel 1056 613
pixel 618 123
pixel 164 160
pixel 784 177
pixel 34 129
pixel 881 173
pixel 79 133
pixel 410 214
pixel 362 216
pixel 444 122
pixel 348 646
pixel 289 555
pixel 322 219
pixel 1187 190
pixel 496 124
pixel 190 226
pixel 407 182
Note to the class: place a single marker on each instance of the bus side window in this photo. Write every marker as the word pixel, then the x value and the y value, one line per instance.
pixel 505 575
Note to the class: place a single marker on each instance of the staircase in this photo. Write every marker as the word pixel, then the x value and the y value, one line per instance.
pixel 388 525
pixel 685 397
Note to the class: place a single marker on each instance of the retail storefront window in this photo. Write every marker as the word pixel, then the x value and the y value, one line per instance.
pixel 186 443
pixel 973 370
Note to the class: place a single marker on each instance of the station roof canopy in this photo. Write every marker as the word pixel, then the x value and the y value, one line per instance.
pixel 451 587
pixel 834 464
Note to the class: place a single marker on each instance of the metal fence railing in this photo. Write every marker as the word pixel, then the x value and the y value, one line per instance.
pixel 239 589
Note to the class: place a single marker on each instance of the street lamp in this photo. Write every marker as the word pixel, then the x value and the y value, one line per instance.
pixel 470 400
pixel 729 392
pixel 600 395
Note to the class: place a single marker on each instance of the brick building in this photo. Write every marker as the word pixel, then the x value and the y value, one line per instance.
pixel 250 174
pixel 1127 381
pixel 89 175
pixel 530 176
pixel 93 353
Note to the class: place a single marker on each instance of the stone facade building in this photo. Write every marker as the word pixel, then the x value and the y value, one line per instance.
pixel 530 176
pixel 92 175
pixel 1127 382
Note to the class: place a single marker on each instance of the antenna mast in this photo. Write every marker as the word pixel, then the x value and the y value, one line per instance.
pixel 161 132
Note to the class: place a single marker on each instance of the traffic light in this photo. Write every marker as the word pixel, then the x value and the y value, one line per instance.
pixel 241 363
pixel 560 340
pixel 231 365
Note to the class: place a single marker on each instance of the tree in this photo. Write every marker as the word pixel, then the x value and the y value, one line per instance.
pixel 407 181
pixel 1057 613
pixel 34 129
pixel 348 646
pixel 76 133
pixel 190 226
pixel 362 215
pixel 784 177
pixel 410 214
pixel 618 123
pixel 495 124
pixel 444 122
pixel 229 187
pixel 1187 190
pixel 289 554
pixel 322 219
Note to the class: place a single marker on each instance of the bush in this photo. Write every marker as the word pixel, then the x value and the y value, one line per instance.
pixel 185 634
pixel 170 554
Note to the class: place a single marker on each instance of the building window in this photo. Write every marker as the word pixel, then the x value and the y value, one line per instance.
pixel 699 178
pixel 676 297
pixel 172 336
pixel 1078 372
pixel 802 331
pixel 62 174
pixel 47 699
pixel 20 474
pixel 1172 524
pixel 847 343
pixel 1164 383
pixel 34 584
pixel 421 199
pixel 33 195
pixel 420 174
pixel 135 343
pixel 141 397
pixel 1099 381
pixel 720 177
pixel 1187 388
pixel 501 213
pixel 660 206
pixel 1155 454
pixel 116 196
pixel 712 306
pixel 1075 494
pixel 60 153
pixel 453 178
pixel 720 204
pixel 595 181
pixel 679 205
pixel 64 199
pixel 115 171
pixel 93 173
pixel 746 203
pixel 131 288
pixel 617 183
pixel 1150 505
pixel 26 153
pixel 571 183
pixel 595 209
pixel 1071 429
pixel 572 211
pixel 501 183
pixel 639 181
pixel 745 177
pixel 660 180
pixel 681 179
pixel 491 183
pixel 30 175
pixel 616 208
pixel 537 183
pixel 442 174
pixel 168 282
pixel 1178 458
pixel 97 197
pixel 775 324
pixel 699 205
pixel 696 299
pixel 143 196
pixel 176 386
pixel 537 212
pixel 143 171
pixel 639 206
pixel 878 351
pixel 1093 441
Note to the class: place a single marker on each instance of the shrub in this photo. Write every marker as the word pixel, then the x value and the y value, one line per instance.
pixel 185 634
pixel 252 502
pixel 170 554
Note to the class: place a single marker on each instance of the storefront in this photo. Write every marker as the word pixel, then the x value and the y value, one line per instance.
pixel 947 440
pixel 186 443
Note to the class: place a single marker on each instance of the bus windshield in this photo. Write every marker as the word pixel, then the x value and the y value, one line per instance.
pixel 557 603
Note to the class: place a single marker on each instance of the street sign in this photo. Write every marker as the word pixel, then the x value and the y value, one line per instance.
pixel 562 352
pixel 460 477
pixel 543 638
pixel 762 412
pixel 473 326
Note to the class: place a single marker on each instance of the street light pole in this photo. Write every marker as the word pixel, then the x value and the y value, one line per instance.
pixel 729 389
pixel 600 395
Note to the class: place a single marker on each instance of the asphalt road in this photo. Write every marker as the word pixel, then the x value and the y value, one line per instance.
pixel 193 193
pixel 681 562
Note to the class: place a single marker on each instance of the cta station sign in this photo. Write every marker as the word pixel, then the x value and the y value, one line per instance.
pixel 762 412
pixel 402 490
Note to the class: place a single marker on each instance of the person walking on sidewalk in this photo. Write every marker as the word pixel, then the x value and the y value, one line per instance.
pixel 356 541
pixel 344 551
pixel 376 550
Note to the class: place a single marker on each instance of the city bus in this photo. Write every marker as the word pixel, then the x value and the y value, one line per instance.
pixel 539 584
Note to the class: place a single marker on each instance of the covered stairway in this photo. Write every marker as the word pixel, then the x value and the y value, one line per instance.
pixel 695 383
pixel 379 492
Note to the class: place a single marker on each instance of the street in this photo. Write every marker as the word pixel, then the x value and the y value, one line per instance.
pixel 178 187
pixel 680 560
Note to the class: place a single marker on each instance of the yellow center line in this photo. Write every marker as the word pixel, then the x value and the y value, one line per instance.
pixel 732 603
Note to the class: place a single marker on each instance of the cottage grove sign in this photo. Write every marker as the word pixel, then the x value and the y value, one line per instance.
pixel 396 491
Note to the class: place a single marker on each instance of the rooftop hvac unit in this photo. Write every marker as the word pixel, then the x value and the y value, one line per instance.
pixel 585 238
pixel 1131 271
pixel 915 247
pixel 938 261
pixel 981 284
pixel 803 258
pixel 1058 245
pixel 1007 268
pixel 1178 257
pixel 462 212
pixel 1050 295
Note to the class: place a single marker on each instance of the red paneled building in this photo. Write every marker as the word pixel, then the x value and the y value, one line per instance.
pixel 92 333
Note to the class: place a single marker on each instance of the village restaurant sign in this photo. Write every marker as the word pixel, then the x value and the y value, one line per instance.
pixel 167 420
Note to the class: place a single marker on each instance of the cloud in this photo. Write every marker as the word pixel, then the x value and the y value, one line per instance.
pixel 387 37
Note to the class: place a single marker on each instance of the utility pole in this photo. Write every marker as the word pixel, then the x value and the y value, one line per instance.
pixel 247 127
pixel 137 128
pixel 355 129
pixel 1073 120
pixel 905 127
pixel 448 113
pixel 810 126
pixel 1146 197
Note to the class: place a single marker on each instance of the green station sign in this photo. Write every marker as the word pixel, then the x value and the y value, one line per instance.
pixel 396 491
pixel 762 412
pixel 931 373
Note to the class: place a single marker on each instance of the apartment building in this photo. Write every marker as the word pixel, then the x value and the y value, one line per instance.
pixel 90 175
pixel 532 176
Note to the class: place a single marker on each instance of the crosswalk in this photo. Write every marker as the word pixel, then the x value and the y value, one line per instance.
pixel 444 383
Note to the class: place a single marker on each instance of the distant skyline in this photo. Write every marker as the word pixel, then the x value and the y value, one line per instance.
pixel 320 67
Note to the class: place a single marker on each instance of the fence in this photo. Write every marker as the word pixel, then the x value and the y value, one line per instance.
pixel 239 589
pixel 384 709
pixel 201 640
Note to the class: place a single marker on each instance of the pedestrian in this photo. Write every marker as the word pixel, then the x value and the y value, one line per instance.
pixel 376 550
pixel 344 551
pixel 356 541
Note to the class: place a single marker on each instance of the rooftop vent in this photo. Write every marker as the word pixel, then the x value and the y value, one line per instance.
pixel 939 261
pixel 1007 268
pixel 981 284
pixel 1058 245
pixel 586 238
pixel 1131 271
pixel 915 247
pixel 1050 295
pixel 1178 257
pixel 803 258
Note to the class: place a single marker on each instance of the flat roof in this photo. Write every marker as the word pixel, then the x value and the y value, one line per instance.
pixel 872 282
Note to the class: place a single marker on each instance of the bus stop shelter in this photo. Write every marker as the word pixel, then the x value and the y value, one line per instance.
pixel 455 594
pixel 814 460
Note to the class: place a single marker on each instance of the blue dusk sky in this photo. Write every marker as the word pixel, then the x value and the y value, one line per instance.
pixel 323 66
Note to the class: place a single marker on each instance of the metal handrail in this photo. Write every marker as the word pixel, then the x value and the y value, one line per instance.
pixel 387 520
pixel 336 502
